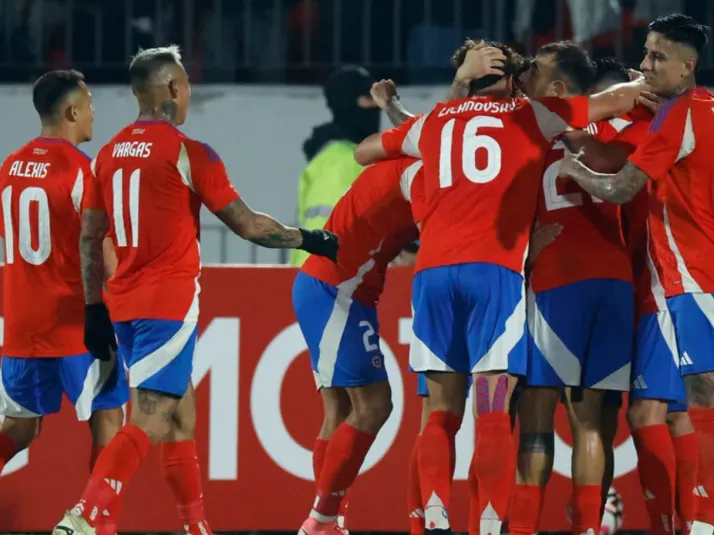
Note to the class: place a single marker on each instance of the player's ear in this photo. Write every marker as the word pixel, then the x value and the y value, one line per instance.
pixel 557 88
pixel 689 66
pixel 70 113
pixel 173 89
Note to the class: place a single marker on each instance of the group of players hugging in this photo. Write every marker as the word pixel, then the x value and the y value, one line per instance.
pixel 565 213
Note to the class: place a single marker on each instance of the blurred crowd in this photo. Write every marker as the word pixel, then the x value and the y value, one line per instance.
pixel 300 41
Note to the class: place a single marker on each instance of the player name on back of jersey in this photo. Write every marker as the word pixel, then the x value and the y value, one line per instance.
pixel 29 169
pixel 480 106
pixel 132 149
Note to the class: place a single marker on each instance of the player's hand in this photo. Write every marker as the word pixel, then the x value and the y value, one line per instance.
pixel 481 61
pixel 542 236
pixel 651 101
pixel 99 337
pixel 570 162
pixel 320 242
pixel 383 92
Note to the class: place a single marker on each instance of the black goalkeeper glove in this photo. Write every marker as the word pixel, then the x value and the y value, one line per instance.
pixel 320 242
pixel 99 337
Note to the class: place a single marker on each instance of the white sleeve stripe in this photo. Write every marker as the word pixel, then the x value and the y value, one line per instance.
pixel 78 191
pixel 689 142
pixel 551 124
pixel 183 165
pixel 619 124
pixel 408 178
pixel 93 166
pixel 410 146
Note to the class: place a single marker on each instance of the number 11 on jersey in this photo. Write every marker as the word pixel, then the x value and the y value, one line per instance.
pixel 118 209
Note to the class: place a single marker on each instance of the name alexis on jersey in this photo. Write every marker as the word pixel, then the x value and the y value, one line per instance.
pixel 29 169
pixel 478 105
pixel 132 149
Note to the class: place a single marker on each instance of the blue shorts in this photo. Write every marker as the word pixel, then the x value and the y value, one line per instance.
pixel 423 389
pixel 158 353
pixel 655 365
pixel 31 387
pixel 581 334
pixel 468 318
pixel 342 334
pixel 693 318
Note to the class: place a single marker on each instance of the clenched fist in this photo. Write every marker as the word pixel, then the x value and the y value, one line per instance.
pixel 383 92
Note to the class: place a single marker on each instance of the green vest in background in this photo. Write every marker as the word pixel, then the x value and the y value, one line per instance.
pixel 325 179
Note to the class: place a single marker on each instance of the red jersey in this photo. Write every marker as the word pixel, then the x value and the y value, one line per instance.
pixel 482 157
pixel 373 221
pixel 43 306
pixel 677 155
pixel 152 179
pixel 591 244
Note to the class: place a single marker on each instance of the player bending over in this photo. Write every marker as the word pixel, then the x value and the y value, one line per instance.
pixel 676 158
pixel 150 183
pixel 44 355
pixel 469 303
pixel 335 305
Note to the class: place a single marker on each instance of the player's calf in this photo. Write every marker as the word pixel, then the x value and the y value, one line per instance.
pixel 494 461
pixel 16 434
pixel 686 453
pixel 700 394
pixel 536 412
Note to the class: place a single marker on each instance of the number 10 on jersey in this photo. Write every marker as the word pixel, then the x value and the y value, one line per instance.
pixel 118 208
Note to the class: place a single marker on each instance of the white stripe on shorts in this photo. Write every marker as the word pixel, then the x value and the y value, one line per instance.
pixel 10 407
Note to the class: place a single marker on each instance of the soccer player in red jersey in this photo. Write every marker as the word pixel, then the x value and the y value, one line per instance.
pixel 44 355
pixel 150 183
pixel 480 155
pixel 335 305
pixel 676 158
pixel 579 310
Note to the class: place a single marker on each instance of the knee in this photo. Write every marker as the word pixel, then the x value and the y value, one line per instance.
pixel 22 431
pixel 644 412
pixel 679 423
pixel 104 424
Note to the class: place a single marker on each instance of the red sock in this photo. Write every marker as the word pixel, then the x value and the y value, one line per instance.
pixel 107 522
pixel 318 457
pixel 179 461
pixel 686 452
pixel 586 508
pixel 658 472
pixel 437 458
pixel 495 468
pixel 703 422
pixel 526 505
pixel 474 510
pixel 343 458
pixel 113 470
pixel 8 449
pixel 414 505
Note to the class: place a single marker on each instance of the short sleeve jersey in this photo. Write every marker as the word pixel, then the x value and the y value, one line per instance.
pixel 483 159
pixel 676 154
pixel 373 221
pixel 151 179
pixel 43 305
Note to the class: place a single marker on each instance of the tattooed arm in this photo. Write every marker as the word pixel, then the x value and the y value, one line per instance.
pixel 258 228
pixel 95 224
pixel 617 188
pixel 396 112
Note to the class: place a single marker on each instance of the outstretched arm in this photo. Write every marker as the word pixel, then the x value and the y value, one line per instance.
pixel 266 231
pixel 615 100
pixel 257 227
pixel 95 225
pixel 617 188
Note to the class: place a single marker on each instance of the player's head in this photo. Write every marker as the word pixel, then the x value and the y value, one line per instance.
pixel 609 72
pixel 62 99
pixel 672 51
pixel 559 69
pixel 499 85
pixel 347 92
pixel 160 83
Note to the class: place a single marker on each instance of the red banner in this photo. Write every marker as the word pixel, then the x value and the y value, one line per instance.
pixel 258 415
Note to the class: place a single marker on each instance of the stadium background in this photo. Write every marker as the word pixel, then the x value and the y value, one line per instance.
pixel 257 66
